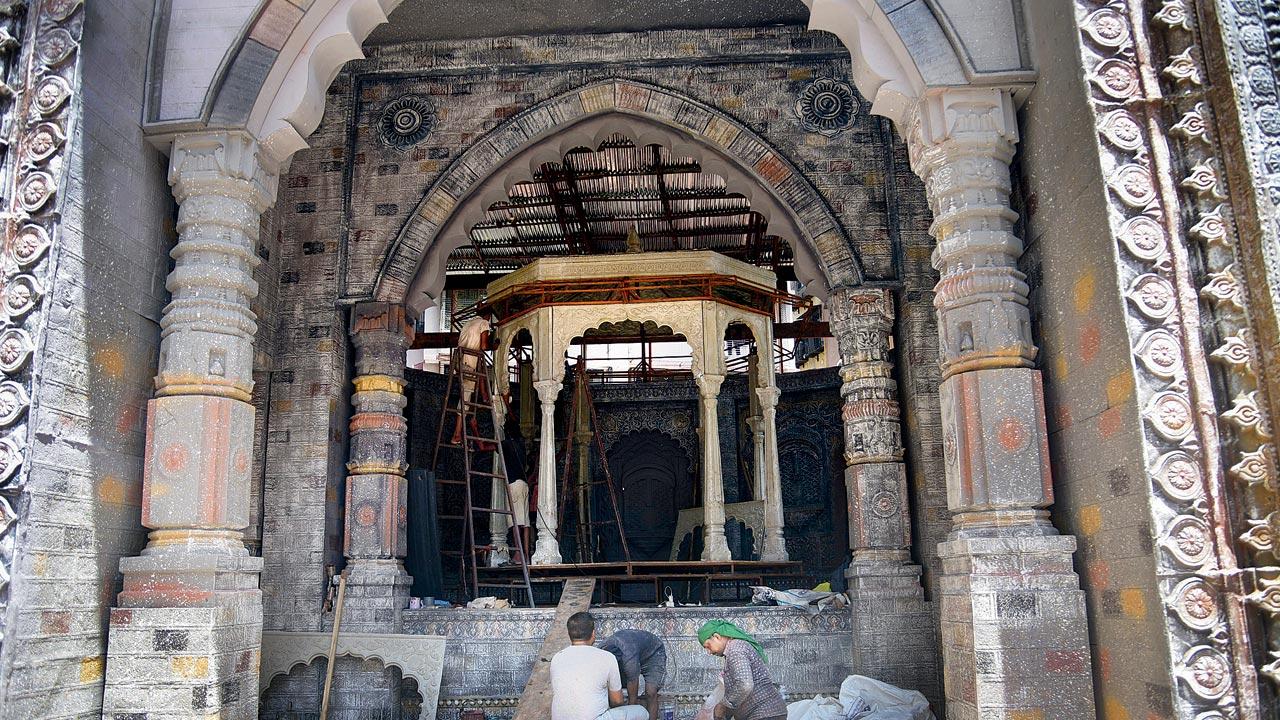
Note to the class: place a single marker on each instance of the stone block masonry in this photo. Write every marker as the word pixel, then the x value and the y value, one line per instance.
pixel 171 663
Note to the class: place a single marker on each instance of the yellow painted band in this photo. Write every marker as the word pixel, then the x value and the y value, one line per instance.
pixel 385 383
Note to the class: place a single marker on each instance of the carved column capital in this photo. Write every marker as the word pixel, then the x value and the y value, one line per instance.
pixel 709 385
pixel 227 163
pixel 380 333
pixel 947 118
pixel 961 143
pixel 768 398
pixel 862 321
pixel 548 391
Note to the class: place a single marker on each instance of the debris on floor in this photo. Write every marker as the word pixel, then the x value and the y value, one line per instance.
pixel 811 601
pixel 863 698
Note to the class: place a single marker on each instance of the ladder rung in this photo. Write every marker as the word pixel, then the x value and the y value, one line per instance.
pixel 443 481
pixel 488 474
pixel 481 437
pixel 495 511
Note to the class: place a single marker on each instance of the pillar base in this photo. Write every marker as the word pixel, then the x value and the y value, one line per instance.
pixel 377 592
pixel 185 662
pixel 894 639
pixel 546 550
pixel 1015 639
pixel 775 548
pixel 715 548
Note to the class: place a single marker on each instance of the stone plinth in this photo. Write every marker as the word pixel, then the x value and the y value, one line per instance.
pixel 190 662
pixel 1014 634
pixel 893 627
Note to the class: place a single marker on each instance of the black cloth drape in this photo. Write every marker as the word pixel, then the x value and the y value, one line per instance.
pixel 423 562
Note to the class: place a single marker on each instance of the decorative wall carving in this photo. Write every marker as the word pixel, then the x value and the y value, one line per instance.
pixel 407 120
pixel 827 106
pixel 34 125
pixel 420 657
pixel 1187 458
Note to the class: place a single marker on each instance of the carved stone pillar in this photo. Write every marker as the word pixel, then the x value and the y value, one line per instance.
pixel 882 583
pixel 193 590
pixel 875 477
pixel 714 545
pixel 547 548
pixel 377 492
pixel 775 545
pixel 998 623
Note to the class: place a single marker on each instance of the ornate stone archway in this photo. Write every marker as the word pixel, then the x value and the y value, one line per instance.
pixel 413 270
pixel 950 88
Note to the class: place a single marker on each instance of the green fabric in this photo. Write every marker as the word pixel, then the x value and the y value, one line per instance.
pixel 724 628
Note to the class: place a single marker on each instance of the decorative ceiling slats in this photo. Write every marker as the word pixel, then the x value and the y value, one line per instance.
pixel 588 202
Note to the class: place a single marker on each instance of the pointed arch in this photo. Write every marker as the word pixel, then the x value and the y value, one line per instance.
pixel 413 269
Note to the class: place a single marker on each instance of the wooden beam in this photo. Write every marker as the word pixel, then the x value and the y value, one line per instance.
pixel 535 701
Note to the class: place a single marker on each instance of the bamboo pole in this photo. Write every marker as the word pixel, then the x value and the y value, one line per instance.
pixel 333 647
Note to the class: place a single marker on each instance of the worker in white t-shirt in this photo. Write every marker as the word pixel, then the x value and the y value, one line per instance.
pixel 585 682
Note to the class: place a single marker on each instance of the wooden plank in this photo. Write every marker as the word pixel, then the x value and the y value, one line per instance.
pixel 535 701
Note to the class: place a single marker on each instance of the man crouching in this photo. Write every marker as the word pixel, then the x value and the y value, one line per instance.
pixel 639 654
pixel 585 682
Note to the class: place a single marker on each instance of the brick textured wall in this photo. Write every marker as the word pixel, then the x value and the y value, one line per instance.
pixel 106 294
pixel 306 436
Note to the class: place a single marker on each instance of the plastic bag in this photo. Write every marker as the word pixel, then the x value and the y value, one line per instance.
pixel 817 708
pixel 708 709
pixel 888 702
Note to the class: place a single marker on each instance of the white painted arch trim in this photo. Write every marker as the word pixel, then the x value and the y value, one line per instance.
pixel 420 657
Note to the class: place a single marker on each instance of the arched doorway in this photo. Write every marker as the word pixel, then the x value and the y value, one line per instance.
pixel 655 482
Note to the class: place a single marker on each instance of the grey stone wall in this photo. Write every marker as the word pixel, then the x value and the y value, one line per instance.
pixel 105 294
pixel 754 75
pixel 1101 490
pixel 306 433
pixel 489 653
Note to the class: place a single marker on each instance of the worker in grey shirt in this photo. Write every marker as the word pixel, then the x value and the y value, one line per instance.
pixel 639 653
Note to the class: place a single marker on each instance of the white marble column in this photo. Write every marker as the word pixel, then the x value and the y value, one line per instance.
pixel 547 548
pixel 714 545
pixel 775 545
pixel 996 624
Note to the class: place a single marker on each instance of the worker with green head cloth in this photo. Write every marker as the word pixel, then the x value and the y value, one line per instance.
pixel 749 692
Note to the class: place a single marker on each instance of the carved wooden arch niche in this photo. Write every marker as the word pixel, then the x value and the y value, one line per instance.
pixel 413 270
pixel 654 474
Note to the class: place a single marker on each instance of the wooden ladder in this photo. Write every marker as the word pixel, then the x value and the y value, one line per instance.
pixel 582 394
pixel 463 410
